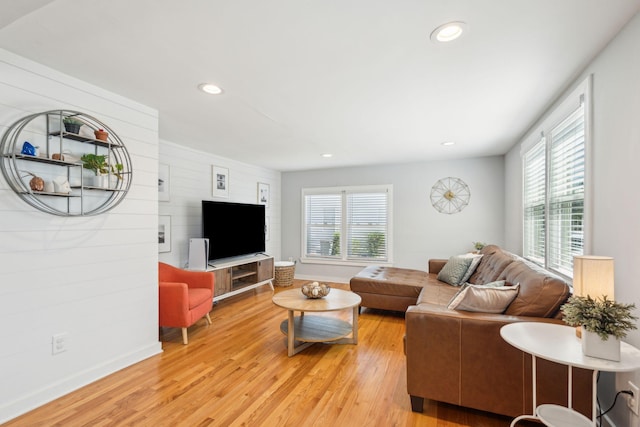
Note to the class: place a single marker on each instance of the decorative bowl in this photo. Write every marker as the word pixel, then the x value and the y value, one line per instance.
pixel 315 290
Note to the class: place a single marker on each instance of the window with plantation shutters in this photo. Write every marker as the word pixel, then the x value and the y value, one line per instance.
pixel 323 218
pixel 347 224
pixel 367 225
pixel 534 202
pixel 566 192
pixel 554 191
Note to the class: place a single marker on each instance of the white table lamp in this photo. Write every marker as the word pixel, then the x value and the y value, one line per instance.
pixel 593 276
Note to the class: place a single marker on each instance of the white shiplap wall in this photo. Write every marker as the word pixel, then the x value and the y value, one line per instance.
pixel 191 182
pixel 94 278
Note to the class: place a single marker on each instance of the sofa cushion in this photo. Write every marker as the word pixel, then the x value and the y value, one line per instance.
pixel 493 262
pixel 541 293
pixel 484 299
pixel 389 281
pixel 436 292
pixel 454 270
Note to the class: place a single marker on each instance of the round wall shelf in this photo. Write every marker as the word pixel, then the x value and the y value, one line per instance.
pixel 41 160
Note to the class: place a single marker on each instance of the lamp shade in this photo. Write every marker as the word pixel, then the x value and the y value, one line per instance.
pixel 593 276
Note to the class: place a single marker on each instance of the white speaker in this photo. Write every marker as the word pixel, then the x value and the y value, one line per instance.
pixel 198 254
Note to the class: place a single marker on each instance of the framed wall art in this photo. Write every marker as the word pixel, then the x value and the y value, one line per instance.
pixel 220 181
pixel 164 185
pixel 164 233
pixel 263 194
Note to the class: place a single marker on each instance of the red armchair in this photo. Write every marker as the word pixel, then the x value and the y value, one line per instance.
pixel 185 297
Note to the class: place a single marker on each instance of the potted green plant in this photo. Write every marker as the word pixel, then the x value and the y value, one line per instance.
pixel 72 125
pixel 479 245
pixel 603 323
pixel 101 168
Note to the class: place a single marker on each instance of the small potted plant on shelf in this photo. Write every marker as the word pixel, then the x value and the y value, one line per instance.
pixel 101 168
pixel 72 125
pixel 603 323
pixel 479 245
pixel 101 134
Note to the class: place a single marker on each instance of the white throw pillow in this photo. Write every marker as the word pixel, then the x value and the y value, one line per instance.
pixel 483 299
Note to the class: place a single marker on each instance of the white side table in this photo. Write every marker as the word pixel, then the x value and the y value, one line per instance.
pixel 558 343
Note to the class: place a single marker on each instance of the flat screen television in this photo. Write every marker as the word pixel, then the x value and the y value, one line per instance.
pixel 233 229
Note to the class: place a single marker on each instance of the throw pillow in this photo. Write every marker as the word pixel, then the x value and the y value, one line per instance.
pixel 496 284
pixel 481 298
pixel 454 270
pixel 475 260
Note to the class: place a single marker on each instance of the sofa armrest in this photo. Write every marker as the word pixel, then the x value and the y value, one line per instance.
pixel 450 354
pixel 173 299
pixel 435 265
pixel 451 357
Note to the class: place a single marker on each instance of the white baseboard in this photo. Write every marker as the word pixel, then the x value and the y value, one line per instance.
pixel 37 398
pixel 324 278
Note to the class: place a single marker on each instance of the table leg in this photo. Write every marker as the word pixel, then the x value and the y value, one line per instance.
pixel 570 386
pixel 534 380
pixel 291 335
pixel 354 324
pixel 594 398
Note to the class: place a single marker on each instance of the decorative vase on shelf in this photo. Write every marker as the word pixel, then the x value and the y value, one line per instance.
pixel 36 183
pixel 594 346
pixel 101 134
pixel 101 181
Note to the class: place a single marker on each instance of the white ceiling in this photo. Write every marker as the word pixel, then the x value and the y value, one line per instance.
pixel 356 78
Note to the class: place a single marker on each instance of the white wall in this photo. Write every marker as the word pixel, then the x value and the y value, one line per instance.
pixel 615 179
pixel 94 278
pixel 419 231
pixel 191 182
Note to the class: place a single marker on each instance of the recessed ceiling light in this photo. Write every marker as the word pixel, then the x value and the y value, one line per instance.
pixel 327 155
pixel 448 143
pixel 210 88
pixel 448 32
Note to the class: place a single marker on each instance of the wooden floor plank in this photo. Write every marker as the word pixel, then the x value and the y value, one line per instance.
pixel 236 372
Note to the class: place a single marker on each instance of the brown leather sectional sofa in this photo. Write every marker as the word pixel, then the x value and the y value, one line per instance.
pixel 458 357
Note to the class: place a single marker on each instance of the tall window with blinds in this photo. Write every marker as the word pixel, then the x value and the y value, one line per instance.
pixel 347 224
pixel 566 192
pixel 323 224
pixel 535 202
pixel 554 172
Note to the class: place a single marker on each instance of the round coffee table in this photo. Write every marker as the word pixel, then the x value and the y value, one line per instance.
pixel 303 331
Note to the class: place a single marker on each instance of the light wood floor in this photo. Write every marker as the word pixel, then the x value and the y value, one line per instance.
pixel 236 372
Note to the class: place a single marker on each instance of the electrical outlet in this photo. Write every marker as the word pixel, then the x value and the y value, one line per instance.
pixel 632 401
pixel 59 343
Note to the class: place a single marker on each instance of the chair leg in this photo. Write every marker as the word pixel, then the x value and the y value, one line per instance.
pixel 185 340
pixel 208 318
